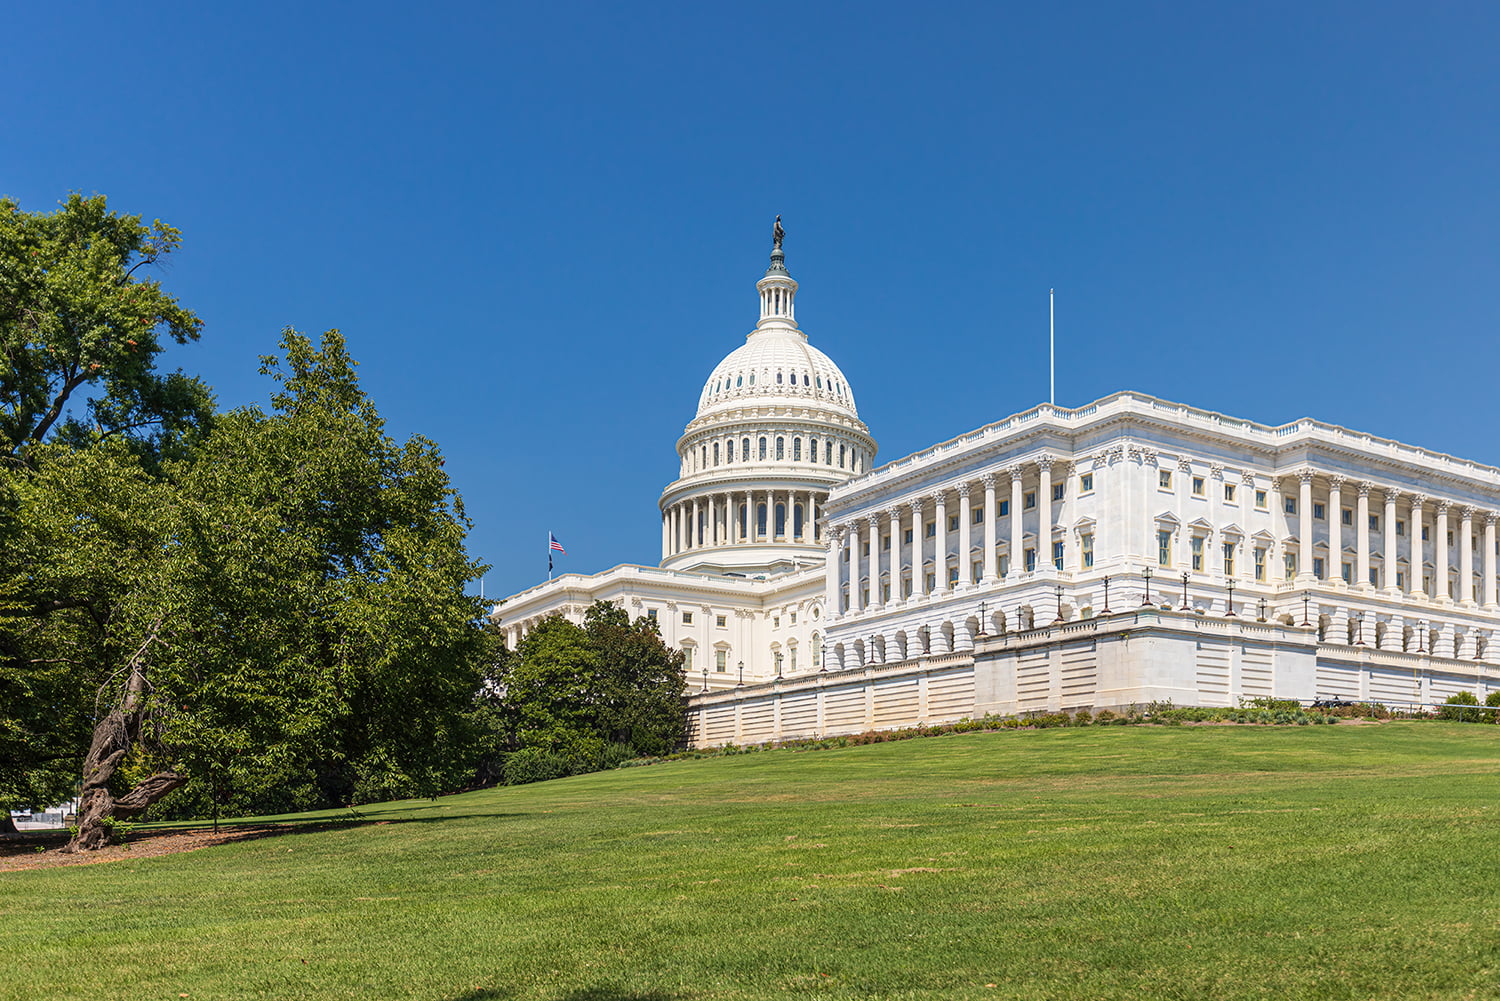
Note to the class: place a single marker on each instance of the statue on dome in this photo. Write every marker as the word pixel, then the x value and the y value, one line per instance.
pixel 777 234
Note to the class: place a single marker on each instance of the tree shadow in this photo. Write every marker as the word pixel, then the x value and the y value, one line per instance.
pixel 598 992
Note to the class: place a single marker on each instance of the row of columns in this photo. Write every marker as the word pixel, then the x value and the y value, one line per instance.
pixel 1443 510
pixel 712 520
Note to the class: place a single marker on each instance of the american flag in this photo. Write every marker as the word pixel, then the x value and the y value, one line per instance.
pixel 553 546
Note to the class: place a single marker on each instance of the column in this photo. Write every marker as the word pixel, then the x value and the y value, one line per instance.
pixel 856 596
pixel 988 479
pixel 1389 526
pixel 1335 569
pixel 1017 554
pixel 918 580
pixel 1440 553
pixel 894 516
pixel 713 521
pixel 831 574
pixel 1414 531
pixel 1305 525
pixel 1362 537
pixel 1466 556
pixel 965 573
pixel 940 554
pixel 1489 560
pixel 875 599
pixel 666 527
pixel 1044 512
pixel 676 529
pixel 770 533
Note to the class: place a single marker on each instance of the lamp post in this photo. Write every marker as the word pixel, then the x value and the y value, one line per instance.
pixel 1230 584
pixel 1359 626
pixel 705 677
pixel 778 664
pixel 981 618
pixel 1105 610
pixel 1146 599
pixel 1422 636
pixel 1185 606
pixel 1306 597
pixel 1059 605
pixel 741 682
pixel 1262 611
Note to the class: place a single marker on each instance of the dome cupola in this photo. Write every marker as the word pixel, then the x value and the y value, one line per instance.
pixel 776 428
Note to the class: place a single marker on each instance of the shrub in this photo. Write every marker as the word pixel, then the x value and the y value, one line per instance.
pixel 1492 699
pixel 535 764
pixel 1105 716
pixel 1083 718
pixel 1454 708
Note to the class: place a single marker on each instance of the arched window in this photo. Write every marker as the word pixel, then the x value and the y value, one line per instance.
pixel 760 520
pixel 812 450
pixel 781 519
pixel 778 377
pixel 752 378
pixel 705 457
pixel 745 449
pixel 842 457
pixel 780 448
pixel 797 520
pixel 796 449
pixel 739 380
pixel 828 453
pixel 805 380
pixel 763 448
pixel 729 451
pixel 817 651
pixel 716 453
pixel 820 382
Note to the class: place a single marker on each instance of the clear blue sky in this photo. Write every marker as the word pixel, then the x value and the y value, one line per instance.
pixel 540 225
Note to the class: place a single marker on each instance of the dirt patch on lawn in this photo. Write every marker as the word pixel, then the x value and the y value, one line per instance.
pixel 39 849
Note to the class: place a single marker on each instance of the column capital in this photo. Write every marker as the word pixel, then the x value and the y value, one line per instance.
pixel 963 488
pixel 1489 518
pixel 1216 471
pixel 940 497
pixel 1184 464
pixel 1466 513
pixel 1419 501
pixel 987 481
pixel 1443 506
pixel 893 512
pixel 874 520
pixel 1247 478
pixel 1365 487
pixel 1337 482
pixel 1044 463
pixel 916 507
pixel 1304 476
pixel 1016 474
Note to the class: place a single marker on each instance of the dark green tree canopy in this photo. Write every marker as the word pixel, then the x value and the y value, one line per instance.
pixel 81 326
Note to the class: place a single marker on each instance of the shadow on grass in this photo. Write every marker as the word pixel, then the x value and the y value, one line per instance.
pixel 600 992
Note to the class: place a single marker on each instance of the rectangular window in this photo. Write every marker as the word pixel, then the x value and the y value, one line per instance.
pixel 1450 540
pixel 794 618
pixel 1260 499
pixel 791 654
pixel 687 618
pixel 1057 491
pixel 1400 528
pixel 952 576
pixel 885 595
pixel 1424 533
pixel 1028 500
pixel 1320 511
pixel 1198 486
pixel 687 658
pixel 976 572
pixel 1086 483
pixel 1318 567
pixel 1401 579
pixel 979 516
pixel 1004 565
pixel 651 614
pixel 931 529
pixel 1229 559
pixel 1086 545
pixel 721 661
pixel 1374 522
pixel 1229 493
pixel 1345 571
pixel 1291 566
pixel 1260 563
pixel 906 587
pixel 1427 583
pixel 1375 576
pixel 1057 555
pixel 1196 544
pixel 885 543
pixel 931 582
pixel 776 622
pixel 1030 560
pixel 865 549
pixel 720 621
pixel 1004 508
pixel 1164 548
pixel 953 523
pixel 1164 479
pixel 1347 516
pixel 907 536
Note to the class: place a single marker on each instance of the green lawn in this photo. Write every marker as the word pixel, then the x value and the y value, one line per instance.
pixel 1126 862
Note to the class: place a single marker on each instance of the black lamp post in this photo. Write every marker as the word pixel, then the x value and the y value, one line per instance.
pixel 705 677
pixel 1059 605
pixel 1306 597
pixel 1230 584
pixel 981 618
pixel 1262 611
pixel 1146 599
pixel 1105 610
pixel 1185 606
pixel 1422 636
pixel 741 682
pixel 1359 626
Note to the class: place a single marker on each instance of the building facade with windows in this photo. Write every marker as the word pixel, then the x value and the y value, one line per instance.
pixel 1127 551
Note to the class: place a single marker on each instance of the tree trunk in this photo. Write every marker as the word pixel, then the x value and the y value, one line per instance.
pixel 113 735
pixel 7 825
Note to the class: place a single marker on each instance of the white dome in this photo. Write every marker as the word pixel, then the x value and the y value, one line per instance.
pixel 776 366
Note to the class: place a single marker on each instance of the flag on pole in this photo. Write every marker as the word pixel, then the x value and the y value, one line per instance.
pixel 553 546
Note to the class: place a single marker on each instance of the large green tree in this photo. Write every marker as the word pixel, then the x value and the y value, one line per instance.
pixel 575 690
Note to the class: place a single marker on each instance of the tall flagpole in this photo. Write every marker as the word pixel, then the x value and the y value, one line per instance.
pixel 1052 346
pixel 549 554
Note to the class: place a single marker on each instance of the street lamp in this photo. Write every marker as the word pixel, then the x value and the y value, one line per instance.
pixel 1422 636
pixel 705 677
pixel 981 618
pixel 741 682
pixel 1230 584
pixel 1359 625
pixel 1306 597
pixel 1146 600
pixel 1185 606
pixel 1262 611
pixel 778 663
pixel 1059 605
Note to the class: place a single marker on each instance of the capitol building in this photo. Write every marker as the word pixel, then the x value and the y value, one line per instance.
pixel 1127 551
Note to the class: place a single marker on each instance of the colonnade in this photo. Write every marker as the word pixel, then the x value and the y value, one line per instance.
pixel 741 517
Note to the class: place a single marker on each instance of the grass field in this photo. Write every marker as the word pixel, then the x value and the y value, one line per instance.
pixel 1131 862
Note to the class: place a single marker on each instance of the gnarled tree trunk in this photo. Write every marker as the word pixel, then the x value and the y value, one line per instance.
pixel 112 739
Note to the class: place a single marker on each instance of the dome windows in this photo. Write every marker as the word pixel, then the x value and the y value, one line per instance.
pixel 778 377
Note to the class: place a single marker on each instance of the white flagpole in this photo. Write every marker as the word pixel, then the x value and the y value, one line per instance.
pixel 1052 346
